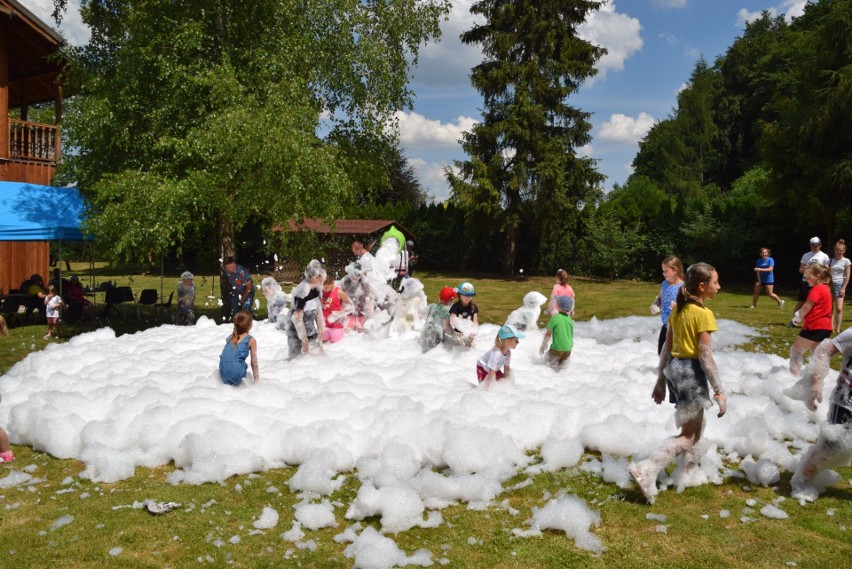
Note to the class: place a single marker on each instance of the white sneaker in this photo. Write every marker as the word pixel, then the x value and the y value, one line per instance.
pixel 752 306
pixel 781 306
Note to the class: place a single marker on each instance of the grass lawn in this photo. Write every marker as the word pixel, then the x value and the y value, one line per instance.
pixel 212 528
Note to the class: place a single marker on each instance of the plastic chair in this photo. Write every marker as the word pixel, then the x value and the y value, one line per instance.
pixel 148 297
pixel 164 306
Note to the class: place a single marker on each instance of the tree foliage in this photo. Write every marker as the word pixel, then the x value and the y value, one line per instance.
pixel 205 114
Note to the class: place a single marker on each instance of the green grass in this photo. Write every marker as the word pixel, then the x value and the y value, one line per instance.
pixel 469 539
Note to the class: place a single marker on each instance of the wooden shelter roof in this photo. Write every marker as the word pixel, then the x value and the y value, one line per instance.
pixel 354 227
pixel 30 43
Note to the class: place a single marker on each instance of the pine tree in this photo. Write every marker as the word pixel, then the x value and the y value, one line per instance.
pixel 523 155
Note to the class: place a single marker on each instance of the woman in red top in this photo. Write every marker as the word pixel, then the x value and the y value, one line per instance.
pixel 814 315
pixel 335 306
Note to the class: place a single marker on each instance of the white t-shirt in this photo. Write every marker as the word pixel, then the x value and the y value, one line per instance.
pixel 494 359
pixel 811 257
pixel 838 270
pixel 52 310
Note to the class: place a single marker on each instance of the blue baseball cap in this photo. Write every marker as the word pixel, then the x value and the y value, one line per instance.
pixel 508 331
pixel 466 289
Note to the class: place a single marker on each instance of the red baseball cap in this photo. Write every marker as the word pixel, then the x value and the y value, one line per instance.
pixel 447 294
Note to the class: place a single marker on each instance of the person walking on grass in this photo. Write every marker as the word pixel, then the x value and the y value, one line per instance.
pixel 560 327
pixel 686 367
pixel 238 346
pixel 52 303
pixel 764 271
pixel 840 268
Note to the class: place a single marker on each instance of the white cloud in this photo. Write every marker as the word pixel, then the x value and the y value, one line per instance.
pixel 681 88
pixel 790 8
pixel 417 131
pixel 618 33
pixel 449 61
pixel 585 151
pixel 72 26
pixel 670 39
pixel 431 177
pixel 670 3
pixel 622 128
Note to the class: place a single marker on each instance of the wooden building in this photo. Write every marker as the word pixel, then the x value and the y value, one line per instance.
pixel 31 64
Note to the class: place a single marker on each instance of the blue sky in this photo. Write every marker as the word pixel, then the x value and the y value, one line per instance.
pixel 653 46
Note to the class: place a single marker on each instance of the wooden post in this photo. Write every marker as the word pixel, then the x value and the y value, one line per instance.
pixel 4 91
pixel 57 112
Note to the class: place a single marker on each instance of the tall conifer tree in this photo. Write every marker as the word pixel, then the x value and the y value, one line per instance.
pixel 523 155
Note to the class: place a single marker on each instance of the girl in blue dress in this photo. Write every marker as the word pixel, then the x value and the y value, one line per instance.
pixel 662 305
pixel 232 361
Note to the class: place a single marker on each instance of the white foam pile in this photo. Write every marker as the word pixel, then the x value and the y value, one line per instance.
pixel 414 428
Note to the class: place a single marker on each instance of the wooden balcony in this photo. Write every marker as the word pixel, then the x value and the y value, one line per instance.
pixel 33 152
pixel 33 141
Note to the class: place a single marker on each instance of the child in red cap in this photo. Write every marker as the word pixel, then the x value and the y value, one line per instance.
pixel 437 320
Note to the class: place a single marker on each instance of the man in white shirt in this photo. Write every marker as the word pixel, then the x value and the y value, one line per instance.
pixel 815 255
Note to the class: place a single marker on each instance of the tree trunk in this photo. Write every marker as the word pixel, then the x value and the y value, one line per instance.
pixel 226 249
pixel 509 259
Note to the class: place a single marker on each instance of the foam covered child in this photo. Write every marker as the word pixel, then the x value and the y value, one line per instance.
pixel 185 313
pixel 336 307
pixel 560 329
pixel 494 364
pixel 526 317
pixel 437 323
pixel 306 320
pixel 276 302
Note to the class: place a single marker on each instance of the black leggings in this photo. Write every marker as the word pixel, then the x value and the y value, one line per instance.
pixel 662 340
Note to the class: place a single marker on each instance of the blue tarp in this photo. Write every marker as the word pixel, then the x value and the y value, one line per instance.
pixel 30 212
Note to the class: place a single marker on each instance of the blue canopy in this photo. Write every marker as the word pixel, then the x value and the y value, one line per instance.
pixel 30 212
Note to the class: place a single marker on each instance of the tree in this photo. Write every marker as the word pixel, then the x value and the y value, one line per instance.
pixel 523 153
pixel 808 143
pixel 205 113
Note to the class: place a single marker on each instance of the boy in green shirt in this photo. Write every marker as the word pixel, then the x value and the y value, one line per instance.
pixel 561 329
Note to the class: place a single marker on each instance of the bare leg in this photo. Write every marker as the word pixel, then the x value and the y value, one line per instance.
pixel 645 472
pixel 770 292
pixel 797 354
pixel 756 294
pixel 4 441
pixel 838 315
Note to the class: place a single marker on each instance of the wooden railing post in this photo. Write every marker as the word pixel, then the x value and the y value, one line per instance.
pixel 4 92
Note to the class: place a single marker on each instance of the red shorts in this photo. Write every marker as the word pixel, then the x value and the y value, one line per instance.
pixel 52 319
pixel 481 373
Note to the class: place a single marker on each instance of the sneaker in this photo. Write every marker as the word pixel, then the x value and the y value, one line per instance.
pixel 7 456
pixel 752 306
pixel 47 336
pixel 791 325
pixel 780 306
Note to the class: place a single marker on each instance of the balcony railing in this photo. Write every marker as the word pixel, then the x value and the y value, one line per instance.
pixel 33 141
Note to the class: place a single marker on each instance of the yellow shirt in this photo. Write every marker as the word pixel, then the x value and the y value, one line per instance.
pixel 686 324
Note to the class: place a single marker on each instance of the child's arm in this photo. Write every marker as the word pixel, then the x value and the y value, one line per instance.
pixel 711 370
pixel 320 326
pixel 476 318
pixel 255 370
pixel 655 306
pixel 800 314
pixel 544 342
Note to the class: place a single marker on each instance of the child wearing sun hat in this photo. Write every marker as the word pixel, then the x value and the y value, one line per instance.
pixel 464 317
pixel 494 364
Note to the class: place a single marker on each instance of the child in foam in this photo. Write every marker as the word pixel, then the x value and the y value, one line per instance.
pixel 185 313
pixel 410 308
pixel 464 317
pixel 276 302
pixel 561 328
pixel 239 345
pixel 52 302
pixel 336 306
pixel 662 305
pixel 814 315
pixel 306 321
pixel 834 447
pixel 361 294
pixel 561 288
pixel 686 366
pixel 437 325
pixel 488 367
pixel 526 317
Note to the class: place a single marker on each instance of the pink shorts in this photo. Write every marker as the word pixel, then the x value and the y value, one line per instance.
pixel 482 373
pixel 52 319
pixel 332 335
pixel 355 322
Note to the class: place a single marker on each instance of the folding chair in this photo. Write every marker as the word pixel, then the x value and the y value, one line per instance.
pixel 115 296
pixel 148 297
pixel 164 306
pixel 11 309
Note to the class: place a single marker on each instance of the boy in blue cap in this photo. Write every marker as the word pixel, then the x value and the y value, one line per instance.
pixel 464 317
pixel 500 356
pixel 561 328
